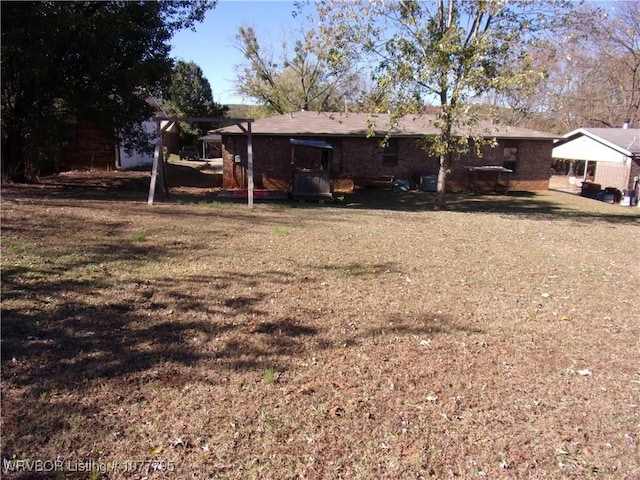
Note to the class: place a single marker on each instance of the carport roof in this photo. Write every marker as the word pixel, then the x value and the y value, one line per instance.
pixel 624 140
pixel 359 125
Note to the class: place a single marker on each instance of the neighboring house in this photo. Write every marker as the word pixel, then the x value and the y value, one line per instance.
pixel 127 159
pixel 359 158
pixel 609 157
pixel 88 147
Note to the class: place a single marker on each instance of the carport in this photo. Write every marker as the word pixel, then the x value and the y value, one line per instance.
pixel 611 156
pixel 209 139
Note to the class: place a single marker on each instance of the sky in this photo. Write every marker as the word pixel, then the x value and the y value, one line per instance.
pixel 212 45
pixel 212 48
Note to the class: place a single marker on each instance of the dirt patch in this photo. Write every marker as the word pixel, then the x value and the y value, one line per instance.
pixel 370 338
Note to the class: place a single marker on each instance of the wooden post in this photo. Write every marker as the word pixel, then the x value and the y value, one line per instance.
pixel 156 160
pixel 247 132
pixel 158 168
pixel 250 165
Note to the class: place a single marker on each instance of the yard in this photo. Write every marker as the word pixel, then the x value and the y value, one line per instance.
pixel 371 338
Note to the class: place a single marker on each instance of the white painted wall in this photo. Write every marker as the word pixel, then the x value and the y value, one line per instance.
pixel 585 148
pixel 136 159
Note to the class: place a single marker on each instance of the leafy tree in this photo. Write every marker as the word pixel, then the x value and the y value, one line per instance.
pixel 189 95
pixel 93 60
pixel 443 52
pixel 300 77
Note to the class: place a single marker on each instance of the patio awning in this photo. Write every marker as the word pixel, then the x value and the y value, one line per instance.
pixel 211 138
pixel 311 143
pixel 490 168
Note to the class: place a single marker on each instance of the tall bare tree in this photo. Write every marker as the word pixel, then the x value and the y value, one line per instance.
pixel 298 77
pixel 592 76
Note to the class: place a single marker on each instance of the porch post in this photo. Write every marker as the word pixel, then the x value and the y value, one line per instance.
pixel 156 158
pixel 249 165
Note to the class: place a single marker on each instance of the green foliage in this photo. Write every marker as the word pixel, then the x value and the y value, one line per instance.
pixel 269 376
pixel 189 95
pixel 302 76
pixel 281 231
pixel 97 61
pixel 450 54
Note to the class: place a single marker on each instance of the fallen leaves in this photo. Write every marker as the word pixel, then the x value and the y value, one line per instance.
pixel 585 372
pixel 336 411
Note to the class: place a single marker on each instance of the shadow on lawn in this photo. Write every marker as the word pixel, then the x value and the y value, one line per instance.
pixel 68 332
pixel 527 204
pixel 134 186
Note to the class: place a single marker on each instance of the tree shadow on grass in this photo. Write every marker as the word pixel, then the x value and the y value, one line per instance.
pixel 70 326
pixel 62 339
pixel 518 203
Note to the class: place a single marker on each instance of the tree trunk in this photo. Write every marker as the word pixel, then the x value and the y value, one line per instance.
pixel 440 201
pixel 13 166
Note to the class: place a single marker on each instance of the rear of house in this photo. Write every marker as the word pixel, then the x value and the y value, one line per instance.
pixel 359 158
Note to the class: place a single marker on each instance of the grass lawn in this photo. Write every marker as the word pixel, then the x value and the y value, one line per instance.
pixel 371 338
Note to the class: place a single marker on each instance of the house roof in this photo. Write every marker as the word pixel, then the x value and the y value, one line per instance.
pixel 358 125
pixel 624 140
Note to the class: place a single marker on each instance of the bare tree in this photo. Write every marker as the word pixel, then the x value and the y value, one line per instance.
pixel 592 72
pixel 301 76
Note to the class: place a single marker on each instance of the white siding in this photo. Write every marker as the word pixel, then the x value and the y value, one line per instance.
pixel 137 159
pixel 584 148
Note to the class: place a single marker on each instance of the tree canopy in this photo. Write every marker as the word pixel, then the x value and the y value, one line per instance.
pixel 449 53
pixel 95 60
pixel 298 77
pixel 592 76
pixel 189 95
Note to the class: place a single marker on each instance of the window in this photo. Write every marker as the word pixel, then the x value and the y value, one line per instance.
pixel 510 155
pixel 390 152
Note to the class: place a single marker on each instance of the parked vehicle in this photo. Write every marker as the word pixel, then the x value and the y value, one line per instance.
pixel 189 153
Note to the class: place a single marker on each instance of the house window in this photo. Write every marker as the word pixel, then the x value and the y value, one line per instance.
pixel 390 152
pixel 510 155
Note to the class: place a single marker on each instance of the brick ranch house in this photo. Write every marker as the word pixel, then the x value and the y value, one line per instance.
pixel 359 159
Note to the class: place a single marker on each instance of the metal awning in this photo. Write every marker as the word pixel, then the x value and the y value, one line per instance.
pixel 490 168
pixel 311 143
pixel 211 138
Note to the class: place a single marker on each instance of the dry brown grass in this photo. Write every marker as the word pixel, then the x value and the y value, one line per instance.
pixel 374 338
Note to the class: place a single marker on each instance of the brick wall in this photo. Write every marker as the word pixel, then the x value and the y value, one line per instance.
pixel 635 172
pixel 612 175
pixel 89 148
pixel 362 159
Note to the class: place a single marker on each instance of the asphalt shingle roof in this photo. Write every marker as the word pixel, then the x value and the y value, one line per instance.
pixel 625 138
pixel 306 123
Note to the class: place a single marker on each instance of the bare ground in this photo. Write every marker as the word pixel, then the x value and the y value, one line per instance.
pixel 371 338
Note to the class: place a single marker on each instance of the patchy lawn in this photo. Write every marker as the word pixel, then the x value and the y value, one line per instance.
pixel 372 338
